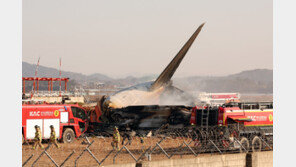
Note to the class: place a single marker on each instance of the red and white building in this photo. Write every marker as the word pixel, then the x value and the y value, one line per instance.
pixel 215 99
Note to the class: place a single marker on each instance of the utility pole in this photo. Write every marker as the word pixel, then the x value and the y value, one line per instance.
pixel 60 77
pixel 36 70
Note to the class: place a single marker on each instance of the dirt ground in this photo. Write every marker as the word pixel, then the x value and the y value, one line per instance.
pixel 100 149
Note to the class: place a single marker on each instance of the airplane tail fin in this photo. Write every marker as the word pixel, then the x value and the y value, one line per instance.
pixel 169 71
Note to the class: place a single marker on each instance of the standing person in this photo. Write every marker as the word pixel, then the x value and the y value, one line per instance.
pixel 142 142
pixel 38 138
pixel 116 139
pixel 53 138
pixel 127 135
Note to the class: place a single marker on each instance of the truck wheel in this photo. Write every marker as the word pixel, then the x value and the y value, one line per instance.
pixel 245 143
pixel 68 136
pixel 256 144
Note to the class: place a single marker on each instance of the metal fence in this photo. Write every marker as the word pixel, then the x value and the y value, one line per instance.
pixel 96 149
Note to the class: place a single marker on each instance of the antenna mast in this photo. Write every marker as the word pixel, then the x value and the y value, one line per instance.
pixel 36 70
pixel 60 77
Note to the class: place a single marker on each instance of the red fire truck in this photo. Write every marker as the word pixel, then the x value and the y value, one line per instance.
pixel 247 114
pixel 69 120
pixel 249 122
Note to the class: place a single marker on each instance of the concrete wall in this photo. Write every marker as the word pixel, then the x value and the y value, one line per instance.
pixel 230 160
pixel 121 165
pixel 261 159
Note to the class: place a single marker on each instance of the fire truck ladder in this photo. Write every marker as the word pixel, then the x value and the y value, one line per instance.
pixel 205 118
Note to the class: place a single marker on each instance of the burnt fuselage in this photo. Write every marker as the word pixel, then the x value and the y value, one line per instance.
pixel 149 116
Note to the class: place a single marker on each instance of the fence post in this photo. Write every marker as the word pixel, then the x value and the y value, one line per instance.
pixel 248 160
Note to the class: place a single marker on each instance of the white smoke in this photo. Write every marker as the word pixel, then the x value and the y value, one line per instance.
pixel 175 99
pixel 140 95
pixel 135 97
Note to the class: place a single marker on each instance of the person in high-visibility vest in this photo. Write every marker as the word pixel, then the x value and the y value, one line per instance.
pixel 116 139
pixel 38 138
pixel 53 138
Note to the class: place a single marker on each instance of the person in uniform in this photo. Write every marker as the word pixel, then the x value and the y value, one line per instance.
pixel 127 135
pixel 53 138
pixel 38 138
pixel 116 139
pixel 142 142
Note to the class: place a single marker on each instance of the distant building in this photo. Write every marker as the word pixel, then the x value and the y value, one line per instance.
pixel 218 98
pixel 50 95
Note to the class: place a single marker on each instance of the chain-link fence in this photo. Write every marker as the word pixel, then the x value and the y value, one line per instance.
pixel 96 149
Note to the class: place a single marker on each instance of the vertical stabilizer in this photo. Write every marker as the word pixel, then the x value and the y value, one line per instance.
pixel 169 71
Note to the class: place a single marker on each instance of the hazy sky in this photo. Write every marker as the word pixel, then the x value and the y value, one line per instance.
pixel 120 38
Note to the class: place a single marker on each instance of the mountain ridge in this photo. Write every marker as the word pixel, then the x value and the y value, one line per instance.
pixel 249 81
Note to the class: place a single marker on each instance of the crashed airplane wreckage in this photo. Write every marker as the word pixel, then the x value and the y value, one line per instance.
pixel 151 104
pixel 150 116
